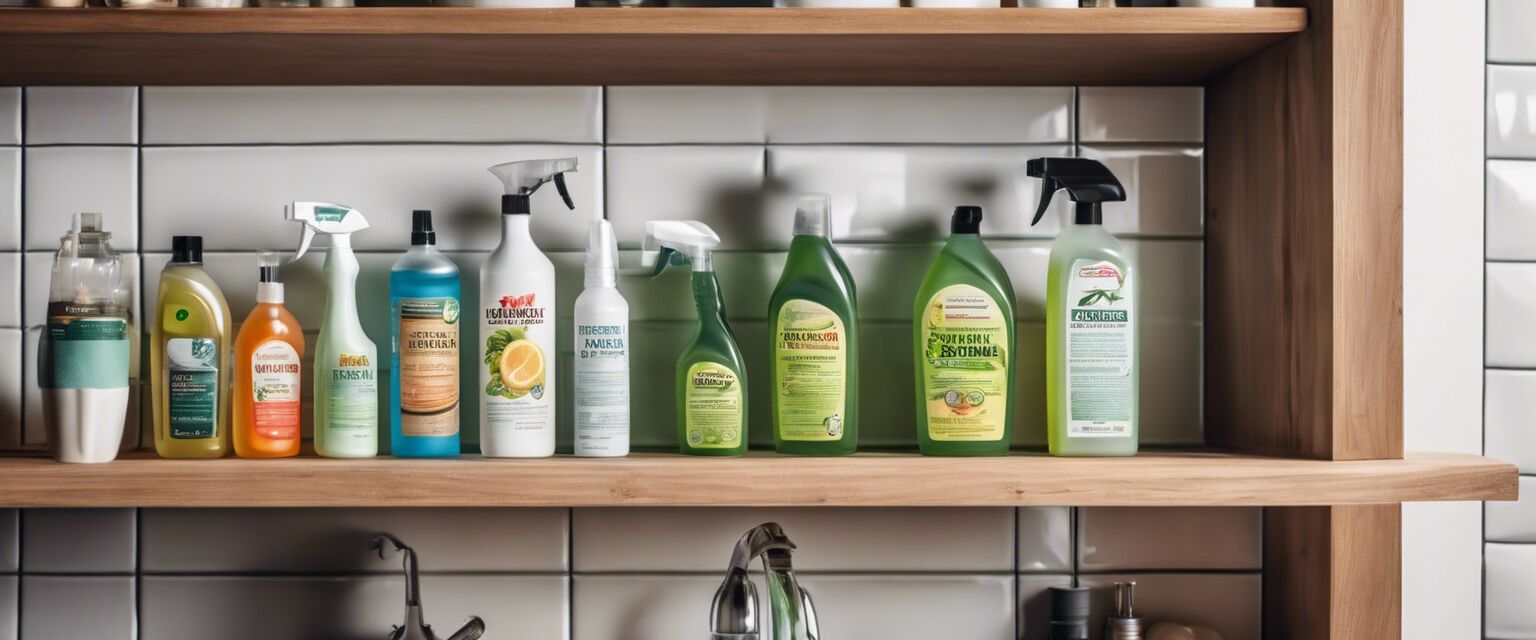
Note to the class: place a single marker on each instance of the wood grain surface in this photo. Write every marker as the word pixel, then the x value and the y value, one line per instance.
pixel 436 46
pixel 1150 479
pixel 1304 327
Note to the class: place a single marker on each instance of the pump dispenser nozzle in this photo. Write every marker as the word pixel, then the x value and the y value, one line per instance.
pixel 675 242
pixel 524 177
pixel 338 221
pixel 1088 183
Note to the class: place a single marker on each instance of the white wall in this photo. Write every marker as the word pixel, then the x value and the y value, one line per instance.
pixel 1442 304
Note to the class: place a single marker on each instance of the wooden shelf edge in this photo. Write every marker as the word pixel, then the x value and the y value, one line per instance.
pixel 669 21
pixel 865 480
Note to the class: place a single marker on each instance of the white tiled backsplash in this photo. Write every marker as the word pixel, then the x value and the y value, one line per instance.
pixel 221 162
pixel 1509 387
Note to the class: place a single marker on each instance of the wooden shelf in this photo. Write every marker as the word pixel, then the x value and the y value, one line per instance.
pixel 1151 479
pixel 436 46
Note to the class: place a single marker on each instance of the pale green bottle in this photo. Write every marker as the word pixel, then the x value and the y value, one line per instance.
pixel 964 341
pixel 1091 322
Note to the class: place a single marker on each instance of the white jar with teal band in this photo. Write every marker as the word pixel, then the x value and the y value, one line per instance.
pixel 85 352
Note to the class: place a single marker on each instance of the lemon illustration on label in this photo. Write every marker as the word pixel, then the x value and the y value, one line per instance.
pixel 522 366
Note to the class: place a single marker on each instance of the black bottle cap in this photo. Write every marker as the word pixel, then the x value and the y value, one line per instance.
pixel 967 219
pixel 514 204
pixel 421 227
pixel 186 249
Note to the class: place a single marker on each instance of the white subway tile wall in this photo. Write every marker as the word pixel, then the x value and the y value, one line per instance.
pixel 221 162
pixel 1509 31
pixel 1509 382
pixel 82 115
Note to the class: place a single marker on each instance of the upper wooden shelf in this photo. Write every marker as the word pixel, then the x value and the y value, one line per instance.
pixel 435 46
pixel 1151 479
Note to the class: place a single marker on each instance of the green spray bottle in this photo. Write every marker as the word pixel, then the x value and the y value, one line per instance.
pixel 1091 323
pixel 814 328
pixel 964 343
pixel 346 361
pixel 711 374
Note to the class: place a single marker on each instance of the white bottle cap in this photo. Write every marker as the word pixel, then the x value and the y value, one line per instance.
pixel 811 215
pixel 602 255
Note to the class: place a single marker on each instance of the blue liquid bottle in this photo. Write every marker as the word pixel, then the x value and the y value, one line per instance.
pixel 424 346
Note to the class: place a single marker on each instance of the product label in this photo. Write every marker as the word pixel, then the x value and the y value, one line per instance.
pixel 1100 344
pixel 810 353
pixel 353 401
pixel 193 387
pixel 516 395
pixel 275 374
pixel 429 366
pixel 85 348
pixel 965 365
pixel 712 407
pixel 602 386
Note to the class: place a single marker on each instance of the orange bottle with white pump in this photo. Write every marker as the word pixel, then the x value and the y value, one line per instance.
pixel 268 355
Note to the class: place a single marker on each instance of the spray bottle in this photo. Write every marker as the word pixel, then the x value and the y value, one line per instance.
pixel 86 355
pixel 602 352
pixel 711 374
pixel 346 382
pixel 1091 326
pixel 517 321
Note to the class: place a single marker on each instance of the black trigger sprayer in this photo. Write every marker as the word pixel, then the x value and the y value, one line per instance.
pixel 1087 182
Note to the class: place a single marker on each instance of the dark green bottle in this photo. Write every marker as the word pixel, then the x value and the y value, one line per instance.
pixel 963 341
pixel 814 327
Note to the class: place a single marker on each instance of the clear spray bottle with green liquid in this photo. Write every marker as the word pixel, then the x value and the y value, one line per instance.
pixel 711 374
pixel 346 361
pixel 814 329
pixel 1091 322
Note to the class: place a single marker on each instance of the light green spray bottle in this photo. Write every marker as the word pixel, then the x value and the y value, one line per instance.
pixel 346 361
pixel 964 342
pixel 711 374
pixel 1091 323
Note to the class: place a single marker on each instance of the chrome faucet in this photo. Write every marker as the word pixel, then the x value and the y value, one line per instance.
pixel 415 627
pixel 734 614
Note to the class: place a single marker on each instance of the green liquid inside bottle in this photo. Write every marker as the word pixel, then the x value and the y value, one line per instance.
pixel 711 379
pixel 963 341
pixel 814 328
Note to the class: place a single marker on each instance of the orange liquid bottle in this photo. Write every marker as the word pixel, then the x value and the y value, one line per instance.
pixel 268 364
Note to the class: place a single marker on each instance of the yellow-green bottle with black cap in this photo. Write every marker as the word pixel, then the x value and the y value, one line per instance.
pixel 963 338
pixel 1091 319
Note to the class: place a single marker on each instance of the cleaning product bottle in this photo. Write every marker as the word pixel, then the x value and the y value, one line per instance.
pixel 269 351
pixel 602 352
pixel 346 382
pixel 424 348
pixel 711 374
pixel 1092 375
pixel 84 357
pixel 189 358
pixel 814 328
pixel 517 322
pixel 964 341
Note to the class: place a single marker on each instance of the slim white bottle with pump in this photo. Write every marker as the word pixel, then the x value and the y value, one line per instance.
pixel 517 322
pixel 602 352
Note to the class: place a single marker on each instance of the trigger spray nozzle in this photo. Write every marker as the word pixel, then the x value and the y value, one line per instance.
pixel 677 242
pixel 1087 182
pixel 524 177
pixel 337 221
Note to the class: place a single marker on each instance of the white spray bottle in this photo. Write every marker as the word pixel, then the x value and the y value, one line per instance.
pixel 602 352
pixel 346 380
pixel 517 322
